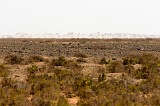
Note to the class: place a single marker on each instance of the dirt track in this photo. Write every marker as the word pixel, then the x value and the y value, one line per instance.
pixel 68 47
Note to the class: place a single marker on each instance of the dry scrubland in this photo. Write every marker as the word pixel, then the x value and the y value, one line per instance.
pixel 79 72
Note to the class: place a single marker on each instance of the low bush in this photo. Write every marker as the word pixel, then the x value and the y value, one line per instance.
pixel 45 88
pixel 13 59
pixel 148 58
pixel 155 100
pixel 33 69
pixel 85 92
pixel 101 77
pixel 72 65
pixel 61 61
pixel 36 58
pixel 103 61
pixel 131 60
pixel 115 66
pixel 62 101
pixel 81 60
pixel 81 55
pixel 3 71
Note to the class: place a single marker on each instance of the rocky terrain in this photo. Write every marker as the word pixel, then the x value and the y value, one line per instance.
pixel 109 48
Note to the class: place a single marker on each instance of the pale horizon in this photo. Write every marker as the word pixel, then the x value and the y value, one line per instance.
pixel 80 16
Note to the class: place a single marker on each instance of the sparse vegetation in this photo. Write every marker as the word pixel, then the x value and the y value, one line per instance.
pixel 61 61
pixel 131 80
pixel 36 58
pixel 13 59
pixel 33 69
pixel 103 61
pixel 62 101
pixel 81 55
pixel 46 88
pixel 115 67
pixel 81 60
pixel 3 71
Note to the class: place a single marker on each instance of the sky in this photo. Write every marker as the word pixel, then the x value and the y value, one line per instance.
pixel 80 16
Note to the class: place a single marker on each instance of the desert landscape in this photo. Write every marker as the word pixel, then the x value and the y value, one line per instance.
pixel 79 53
pixel 79 72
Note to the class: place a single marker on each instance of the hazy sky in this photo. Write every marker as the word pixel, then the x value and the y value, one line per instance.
pixel 80 16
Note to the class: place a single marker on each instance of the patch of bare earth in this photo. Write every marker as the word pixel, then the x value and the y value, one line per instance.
pixel 18 73
pixel 73 101
pixel 137 66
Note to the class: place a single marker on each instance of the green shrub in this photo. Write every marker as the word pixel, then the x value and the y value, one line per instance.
pixel 33 69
